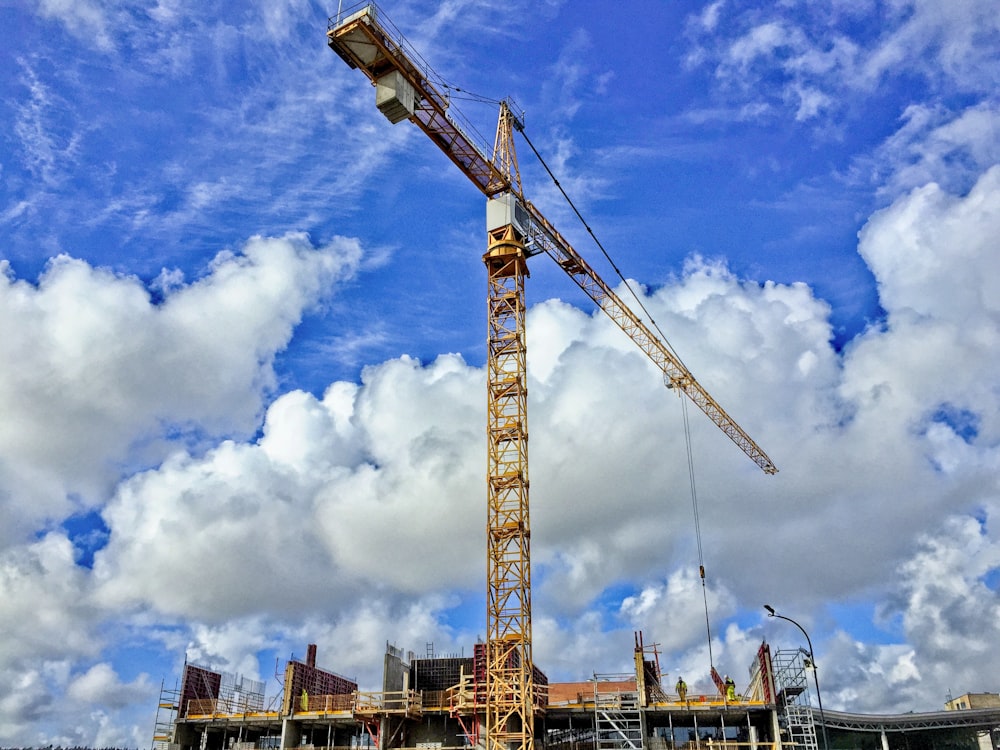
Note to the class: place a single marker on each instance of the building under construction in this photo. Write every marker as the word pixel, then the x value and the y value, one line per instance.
pixel 499 698
pixel 439 702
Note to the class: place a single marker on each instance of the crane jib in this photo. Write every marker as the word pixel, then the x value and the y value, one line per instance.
pixel 675 373
pixel 365 39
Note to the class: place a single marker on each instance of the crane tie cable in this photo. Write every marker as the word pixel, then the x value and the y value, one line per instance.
pixel 607 256
pixel 684 408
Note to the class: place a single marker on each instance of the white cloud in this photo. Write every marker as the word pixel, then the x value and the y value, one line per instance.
pixel 48 145
pixel 761 42
pixel 949 610
pixel 105 378
pixel 812 57
pixel 709 17
pixel 947 616
pixel 51 623
pixel 334 498
pixel 326 517
pixel 811 102
pixel 83 19
pixel 24 704
pixel 87 708
pixel 101 685
pixel 46 608
pixel 950 42
pixel 933 254
pixel 670 610
pixel 935 145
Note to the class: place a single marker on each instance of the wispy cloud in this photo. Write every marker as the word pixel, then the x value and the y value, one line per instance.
pixel 83 19
pixel 935 144
pixel 49 138
pixel 805 57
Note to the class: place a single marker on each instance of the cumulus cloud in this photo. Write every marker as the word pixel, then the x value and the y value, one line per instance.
pixel 946 615
pixel 44 593
pixel 335 498
pixel 669 609
pixel 51 626
pixel 101 685
pixel 948 610
pixel 319 526
pixel 933 254
pixel 107 378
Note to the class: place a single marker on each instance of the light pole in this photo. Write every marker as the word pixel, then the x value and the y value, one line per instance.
pixel 812 658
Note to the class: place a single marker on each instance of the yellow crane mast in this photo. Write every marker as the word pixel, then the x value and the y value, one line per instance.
pixel 510 693
pixel 407 89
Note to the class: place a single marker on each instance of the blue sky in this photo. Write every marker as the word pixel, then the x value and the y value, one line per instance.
pixel 242 327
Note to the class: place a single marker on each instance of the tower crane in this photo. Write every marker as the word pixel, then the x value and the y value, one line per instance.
pixel 407 89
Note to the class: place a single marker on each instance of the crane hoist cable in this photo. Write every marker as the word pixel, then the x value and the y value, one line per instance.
pixel 684 403
pixel 697 527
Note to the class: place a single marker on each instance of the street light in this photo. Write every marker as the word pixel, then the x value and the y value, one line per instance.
pixel 812 658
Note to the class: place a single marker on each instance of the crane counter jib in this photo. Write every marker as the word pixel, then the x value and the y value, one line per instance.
pixel 406 87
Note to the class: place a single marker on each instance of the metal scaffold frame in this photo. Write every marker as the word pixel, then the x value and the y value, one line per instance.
pixel 793 698
pixel 617 718
pixel 166 716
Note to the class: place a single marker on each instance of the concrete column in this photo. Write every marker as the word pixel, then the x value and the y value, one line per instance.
pixel 776 729
pixel 291 733
pixel 186 736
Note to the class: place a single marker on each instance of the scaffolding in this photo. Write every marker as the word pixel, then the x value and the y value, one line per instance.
pixel 239 694
pixel 602 713
pixel 793 698
pixel 617 718
pixel 166 715
pixel 440 673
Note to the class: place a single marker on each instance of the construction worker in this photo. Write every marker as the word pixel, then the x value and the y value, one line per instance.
pixel 730 689
pixel 682 688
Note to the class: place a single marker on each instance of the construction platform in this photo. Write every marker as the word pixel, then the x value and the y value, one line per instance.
pixel 437 703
